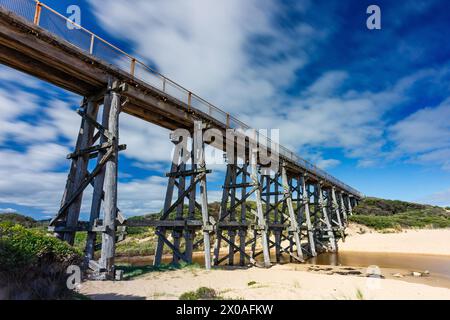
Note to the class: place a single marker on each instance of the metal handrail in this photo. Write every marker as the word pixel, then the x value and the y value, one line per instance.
pixel 134 62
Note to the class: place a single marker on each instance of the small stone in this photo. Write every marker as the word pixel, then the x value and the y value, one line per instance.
pixel 416 274
pixel 397 275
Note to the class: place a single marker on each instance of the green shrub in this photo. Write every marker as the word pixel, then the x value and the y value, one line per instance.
pixel 32 264
pixel 190 295
pixel 202 293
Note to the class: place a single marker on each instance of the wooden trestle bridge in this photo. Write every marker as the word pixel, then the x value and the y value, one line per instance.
pixel 300 209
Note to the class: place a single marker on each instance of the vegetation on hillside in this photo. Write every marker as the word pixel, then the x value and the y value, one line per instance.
pixel 382 214
pixel 17 218
pixel 33 265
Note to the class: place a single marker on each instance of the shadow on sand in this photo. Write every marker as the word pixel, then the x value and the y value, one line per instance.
pixel 114 296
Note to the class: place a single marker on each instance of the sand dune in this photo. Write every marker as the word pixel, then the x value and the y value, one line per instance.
pixel 436 242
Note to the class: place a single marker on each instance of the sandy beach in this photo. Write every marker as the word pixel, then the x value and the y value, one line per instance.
pixel 294 281
pixel 436 242
pixel 279 282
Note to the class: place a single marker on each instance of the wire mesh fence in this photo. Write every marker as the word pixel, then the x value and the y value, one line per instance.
pixel 56 23
pixel 24 8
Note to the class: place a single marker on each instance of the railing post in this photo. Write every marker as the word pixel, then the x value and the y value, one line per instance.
pixel 133 67
pixel 37 13
pixel 91 47
pixel 189 100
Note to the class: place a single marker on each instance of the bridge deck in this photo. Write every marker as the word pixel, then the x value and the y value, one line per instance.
pixel 30 48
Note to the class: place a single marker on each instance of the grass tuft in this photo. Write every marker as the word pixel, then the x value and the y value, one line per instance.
pixel 359 295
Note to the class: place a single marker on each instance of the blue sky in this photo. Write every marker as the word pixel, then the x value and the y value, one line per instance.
pixel 372 107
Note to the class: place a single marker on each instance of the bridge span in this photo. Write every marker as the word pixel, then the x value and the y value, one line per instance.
pixel 299 210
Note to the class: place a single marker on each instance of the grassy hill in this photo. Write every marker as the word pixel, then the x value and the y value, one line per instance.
pixel 384 214
pixel 17 218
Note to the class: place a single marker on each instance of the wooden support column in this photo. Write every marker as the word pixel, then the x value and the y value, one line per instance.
pixel 98 184
pixel 222 213
pixel 189 234
pixel 243 218
pixel 161 231
pixel 177 233
pixel 232 231
pixel 110 188
pixel 293 221
pixel 207 227
pixel 78 172
pixel 326 218
pixel 309 225
pixel 342 208
pixel 262 225
pixel 350 209
pixel 335 207
pixel 276 218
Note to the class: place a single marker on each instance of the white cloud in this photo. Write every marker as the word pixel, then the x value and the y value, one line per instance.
pixel 29 179
pixel 146 142
pixel 142 196
pixel 441 198
pixel 7 210
pixel 327 163
pixel 14 77
pixel 424 136
pixel 211 49
pixel 205 46
pixel 15 103
pixel 327 83
pixel 62 117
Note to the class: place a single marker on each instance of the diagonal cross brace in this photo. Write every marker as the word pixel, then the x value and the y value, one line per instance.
pixel 83 185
